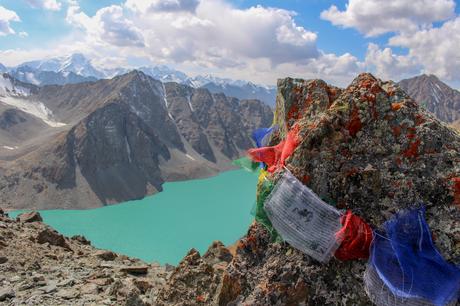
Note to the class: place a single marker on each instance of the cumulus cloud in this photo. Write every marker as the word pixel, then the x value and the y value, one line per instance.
pixel 180 31
pixel 436 49
pixel 109 25
pixel 6 17
pixel 387 65
pixel 162 5
pixel 375 17
pixel 51 5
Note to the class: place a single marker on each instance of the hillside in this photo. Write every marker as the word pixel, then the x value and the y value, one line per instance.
pixel 436 96
pixel 91 144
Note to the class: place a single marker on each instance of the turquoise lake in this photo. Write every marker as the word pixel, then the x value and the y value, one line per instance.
pixel 165 226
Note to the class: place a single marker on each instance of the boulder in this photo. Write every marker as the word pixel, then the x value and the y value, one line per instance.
pixel 33 216
pixel 135 269
pixel 6 293
pixel 105 255
pixel 52 237
pixel 81 239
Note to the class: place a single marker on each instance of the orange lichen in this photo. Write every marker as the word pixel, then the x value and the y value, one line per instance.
pixel 419 119
pixel 355 125
pixel 456 189
pixel 396 106
pixel 201 299
pixel 353 171
pixel 412 151
pixel 306 179
pixel 396 131
pixel 366 83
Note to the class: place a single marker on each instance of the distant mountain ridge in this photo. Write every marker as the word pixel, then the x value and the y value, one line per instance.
pixel 96 143
pixel 436 96
pixel 76 68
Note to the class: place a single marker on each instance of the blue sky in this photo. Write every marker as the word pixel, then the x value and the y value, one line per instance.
pixel 250 39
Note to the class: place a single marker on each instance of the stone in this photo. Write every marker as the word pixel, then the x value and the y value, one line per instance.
pixel 101 281
pixel 135 300
pixel 135 269
pixel 81 239
pixel 3 259
pixel 32 216
pixel 105 255
pixel 142 284
pixel 6 293
pixel 217 252
pixel 68 294
pixel 50 288
pixel 89 288
pixel 66 282
pixel 53 238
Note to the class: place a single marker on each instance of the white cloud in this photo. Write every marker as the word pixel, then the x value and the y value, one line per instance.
pixel 23 34
pixel 109 26
pixel 437 49
pixel 387 65
pixel 51 5
pixel 180 31
pixel 6 17
pixel 375 17
pixel 162 5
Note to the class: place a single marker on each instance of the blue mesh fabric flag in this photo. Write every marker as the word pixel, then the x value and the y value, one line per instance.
pixel 406 260
pixel 261 136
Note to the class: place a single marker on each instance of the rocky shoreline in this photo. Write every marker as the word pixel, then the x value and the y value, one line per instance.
pixel 39 266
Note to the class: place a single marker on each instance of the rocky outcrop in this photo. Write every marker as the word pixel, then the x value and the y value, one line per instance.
pixel 369 148
pixel 40 271
pixel 436 96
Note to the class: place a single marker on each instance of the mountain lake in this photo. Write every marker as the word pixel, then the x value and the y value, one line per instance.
pixel 165 226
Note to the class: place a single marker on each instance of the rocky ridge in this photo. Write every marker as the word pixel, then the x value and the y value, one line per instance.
pixel 369 148
pixel 39 266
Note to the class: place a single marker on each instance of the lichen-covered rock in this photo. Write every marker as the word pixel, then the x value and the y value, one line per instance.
pixel 198 280
pixel 368 148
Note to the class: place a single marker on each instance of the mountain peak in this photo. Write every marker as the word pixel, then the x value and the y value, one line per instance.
pixel 434 95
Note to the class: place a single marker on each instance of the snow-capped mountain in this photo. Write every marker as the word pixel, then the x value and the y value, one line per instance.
pixel 76 68
pixel 3 68
pixel 76 63
pixel 237 88
pixel 41 77
pixel 166 74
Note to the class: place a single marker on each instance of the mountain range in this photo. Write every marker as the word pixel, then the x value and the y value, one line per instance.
pixel 95 143
pixel 76 68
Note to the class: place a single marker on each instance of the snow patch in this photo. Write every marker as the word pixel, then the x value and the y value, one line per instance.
pixel 165 99
pixel 190 157
pixel 10 148
pixel 35 108
pixel 190 103
pixel 7 88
